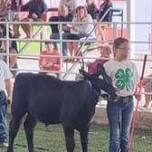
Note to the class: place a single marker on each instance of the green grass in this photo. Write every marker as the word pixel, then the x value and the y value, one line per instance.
pixel 52 140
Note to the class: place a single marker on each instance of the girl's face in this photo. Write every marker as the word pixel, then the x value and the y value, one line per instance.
pixel 81 13
pixel 121 53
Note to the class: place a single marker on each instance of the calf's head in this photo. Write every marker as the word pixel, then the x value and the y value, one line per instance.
pixel 100 81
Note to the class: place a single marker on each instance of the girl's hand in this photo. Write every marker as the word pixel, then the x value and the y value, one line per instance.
pixel 138 97
pixel 8 100
pixel 145 81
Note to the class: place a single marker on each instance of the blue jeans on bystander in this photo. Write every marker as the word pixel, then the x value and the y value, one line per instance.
pixel 3 125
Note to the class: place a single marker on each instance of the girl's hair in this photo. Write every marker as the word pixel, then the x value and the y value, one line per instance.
pixel 79 8
pixel 118 41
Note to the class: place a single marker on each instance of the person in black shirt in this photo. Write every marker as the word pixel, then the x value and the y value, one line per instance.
pixel 36 9
pixel 92 8
pixel 64 16
pixel 103 8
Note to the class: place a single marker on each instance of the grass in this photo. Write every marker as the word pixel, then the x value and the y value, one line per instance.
pixel 51 139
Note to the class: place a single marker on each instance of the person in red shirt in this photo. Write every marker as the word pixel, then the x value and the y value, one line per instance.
pixel 105 52
pixel 49 63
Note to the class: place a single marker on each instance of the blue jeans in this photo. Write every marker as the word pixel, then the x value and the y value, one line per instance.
pixel 120 117
pixel 3 125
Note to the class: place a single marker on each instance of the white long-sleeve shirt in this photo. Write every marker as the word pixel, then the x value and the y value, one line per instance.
pixel 84 28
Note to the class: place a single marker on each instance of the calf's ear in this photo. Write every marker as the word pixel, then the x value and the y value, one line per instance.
pixel 101 71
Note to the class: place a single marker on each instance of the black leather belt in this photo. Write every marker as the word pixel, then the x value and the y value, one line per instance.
pixel 125 99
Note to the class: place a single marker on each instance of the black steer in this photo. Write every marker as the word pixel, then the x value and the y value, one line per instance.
pixel 51 101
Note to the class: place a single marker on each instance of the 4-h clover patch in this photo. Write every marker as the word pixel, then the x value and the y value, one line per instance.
pixel 124 79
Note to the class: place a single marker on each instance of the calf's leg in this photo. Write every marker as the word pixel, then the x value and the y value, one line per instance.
pixel 84 138
pixel 29 125
pixel 69 138
pixel 13 129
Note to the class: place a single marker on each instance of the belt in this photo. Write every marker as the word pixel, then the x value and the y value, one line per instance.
pixel 125 99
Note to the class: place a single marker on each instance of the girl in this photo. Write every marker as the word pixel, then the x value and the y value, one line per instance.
pixel 80 31
pixel 124 78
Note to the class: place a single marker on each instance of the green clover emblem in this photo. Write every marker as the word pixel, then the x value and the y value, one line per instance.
pixel 124 79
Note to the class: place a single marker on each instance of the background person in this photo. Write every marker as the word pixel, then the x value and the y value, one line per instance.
pixel 36 9
pixel 5 98
pixel 92 8
pixel 51 62
pixel 80 31
pixel 64 16
pixel 72 4
pixel 12 49
pixel 147 85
